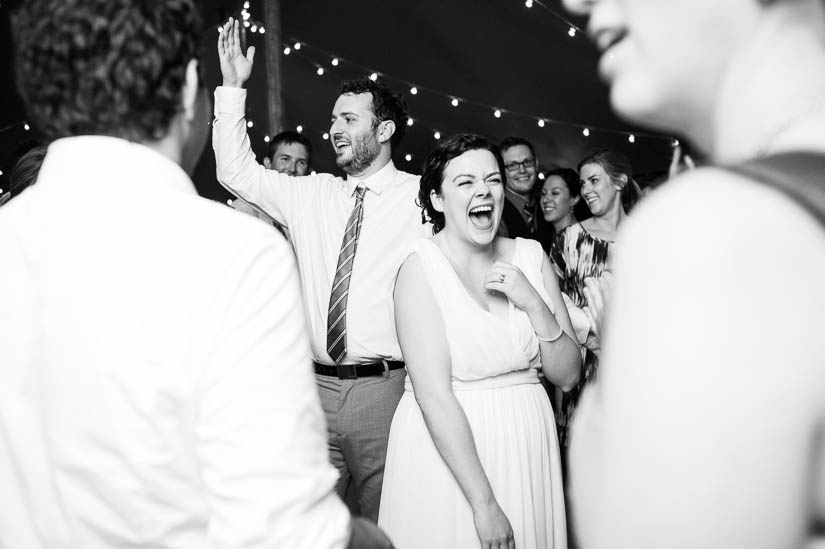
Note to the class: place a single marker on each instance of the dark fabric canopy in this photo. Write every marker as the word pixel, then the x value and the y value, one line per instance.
pixel 493 54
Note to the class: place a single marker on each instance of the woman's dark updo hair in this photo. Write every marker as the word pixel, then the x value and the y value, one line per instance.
pixel 615 164
pixel 570 178
pixel 437 161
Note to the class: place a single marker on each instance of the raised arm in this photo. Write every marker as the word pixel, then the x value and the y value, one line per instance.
pixel 421 332
pixel 237 168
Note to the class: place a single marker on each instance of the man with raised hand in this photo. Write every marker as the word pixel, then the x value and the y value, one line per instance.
pixel 349 237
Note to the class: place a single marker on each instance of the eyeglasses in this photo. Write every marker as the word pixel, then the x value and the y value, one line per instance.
pixel 526 163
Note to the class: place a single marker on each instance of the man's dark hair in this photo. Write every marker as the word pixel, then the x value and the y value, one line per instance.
pixel 385 105
pixel 104 67
pixel 512 141
pixel 288 137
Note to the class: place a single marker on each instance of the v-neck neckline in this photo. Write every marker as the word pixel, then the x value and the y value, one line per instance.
pixel 464 288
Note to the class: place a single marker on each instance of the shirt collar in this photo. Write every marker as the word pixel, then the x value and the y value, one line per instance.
pixel 516 199
pixel 96 157
pixel 376 183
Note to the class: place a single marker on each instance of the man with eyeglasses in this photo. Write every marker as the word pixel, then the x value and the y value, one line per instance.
pixel 520 216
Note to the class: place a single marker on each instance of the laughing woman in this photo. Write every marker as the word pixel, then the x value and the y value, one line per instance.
pixel 473 459
pixel 585 250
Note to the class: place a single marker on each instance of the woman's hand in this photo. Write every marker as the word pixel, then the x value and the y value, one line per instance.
pixel 508 279
pixel 493 528
pixel 235 66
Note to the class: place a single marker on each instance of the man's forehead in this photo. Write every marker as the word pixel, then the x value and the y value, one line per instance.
pixel 359 103
pixel 516 151
pixel 293 148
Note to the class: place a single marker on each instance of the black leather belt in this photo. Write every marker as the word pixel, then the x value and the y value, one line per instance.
pixel 354 371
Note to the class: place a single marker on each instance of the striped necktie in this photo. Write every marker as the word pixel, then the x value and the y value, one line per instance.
pixel 337 314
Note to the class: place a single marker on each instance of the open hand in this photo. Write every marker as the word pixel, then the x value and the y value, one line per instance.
pixel 235 67
pixel 508 279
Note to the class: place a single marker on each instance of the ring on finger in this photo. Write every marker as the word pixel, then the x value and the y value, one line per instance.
pixel 501 277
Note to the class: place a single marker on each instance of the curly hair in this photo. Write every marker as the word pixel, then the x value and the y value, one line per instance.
pixel 385 105
pixel 435 165
pixel 615 164
pixel 104 67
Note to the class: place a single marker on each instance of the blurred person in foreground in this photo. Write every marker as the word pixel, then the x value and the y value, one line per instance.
pixel 705 426
pixel 153 393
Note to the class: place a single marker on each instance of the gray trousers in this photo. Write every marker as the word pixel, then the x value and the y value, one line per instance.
pixel 359 413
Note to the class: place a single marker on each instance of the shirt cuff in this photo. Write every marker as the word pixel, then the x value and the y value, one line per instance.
pixel 229 100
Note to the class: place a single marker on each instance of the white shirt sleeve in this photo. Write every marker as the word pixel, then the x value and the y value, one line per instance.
pixel 237 169
pixel 699 429
pixel 260 432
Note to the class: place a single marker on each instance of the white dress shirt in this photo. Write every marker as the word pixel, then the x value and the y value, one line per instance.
pixel 316 209
pixel 704 428
pixel 155 381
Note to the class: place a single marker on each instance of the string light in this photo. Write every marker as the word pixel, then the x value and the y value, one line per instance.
pixel 249 124
pixel 245 15
pixel 266 139
pixel 335 62
pixel 586 132
pixel 437 135
pixel 541 176
pixel 287 50
pixel 457 101
pixel 410 122
pixel 246 5
pixel 497 113
pixel 528 3
pixel 299 128
pixel 325 136
pixel 26 126
pixel 408 157
pixel 246 24
pixel 320 71
pixel 254 28
pixel 572 32
pixel 631 138
pixel 261 30
pixel 296 46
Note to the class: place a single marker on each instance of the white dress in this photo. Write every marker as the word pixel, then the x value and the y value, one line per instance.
pixel 494 377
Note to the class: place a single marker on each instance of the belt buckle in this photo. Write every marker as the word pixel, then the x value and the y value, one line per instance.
pixel 346 371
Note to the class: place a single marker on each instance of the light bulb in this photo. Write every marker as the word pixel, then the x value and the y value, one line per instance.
pixel 541 122
pixel 410 122
pixel 325 136
pixel 497 113
pixel 320 71
pixel 586 132
pixel 266 139
pixel 437 135
pixel 287 50
pixel 296 46
pixel 374 76
pixel 454 102
pixel 299 128
pixel 249 124
pixel 414 90
pixel 335 62
pixel 571 32
pixel 408 157
pixel 631 138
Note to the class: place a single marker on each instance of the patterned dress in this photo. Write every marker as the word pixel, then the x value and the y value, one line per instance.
pixel 576 255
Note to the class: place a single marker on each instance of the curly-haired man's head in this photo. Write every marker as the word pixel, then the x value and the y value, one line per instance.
pixel 105 67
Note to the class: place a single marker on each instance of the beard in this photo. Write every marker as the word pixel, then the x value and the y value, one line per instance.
pixel 365 149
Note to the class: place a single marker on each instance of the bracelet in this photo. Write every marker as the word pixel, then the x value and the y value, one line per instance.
pixel 551 339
